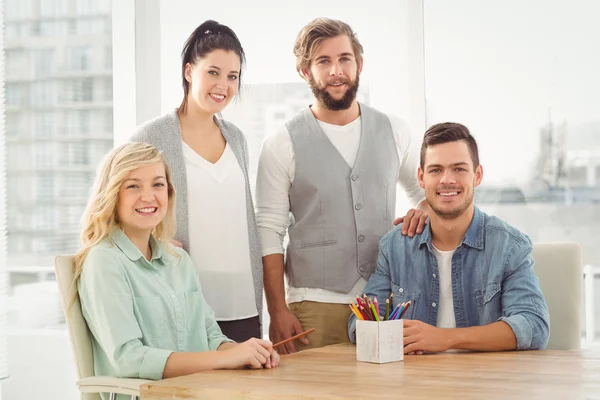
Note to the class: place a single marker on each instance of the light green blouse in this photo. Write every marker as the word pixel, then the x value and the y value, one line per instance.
pixel 141 311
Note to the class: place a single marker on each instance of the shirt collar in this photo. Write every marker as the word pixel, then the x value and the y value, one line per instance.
pixel 474 237
pixel 128 248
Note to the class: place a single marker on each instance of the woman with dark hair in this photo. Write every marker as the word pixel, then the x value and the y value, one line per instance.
pixel 208 157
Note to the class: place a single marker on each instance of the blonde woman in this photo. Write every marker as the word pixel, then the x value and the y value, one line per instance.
pixel 140 295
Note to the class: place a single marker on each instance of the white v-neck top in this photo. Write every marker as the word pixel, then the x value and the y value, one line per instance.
pixel 218 230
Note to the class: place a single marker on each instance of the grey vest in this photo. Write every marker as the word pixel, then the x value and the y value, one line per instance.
pixel 340 212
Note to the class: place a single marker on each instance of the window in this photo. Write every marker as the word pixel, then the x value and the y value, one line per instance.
pixel 44 187
pixel 78 122
pixel 108 89
pixel 71 183
pixel 43 93
pixel 545 100
pixel 12 30
pixel 18 156
pixel 44 156
pixel 17 9
pixel 16 61
pixel 45 219
pixel 108 57
pixel 79 90
pixel 45 125
pixel 43 62
pixel 74 154
pixel 53 8
pixel 15 124
pixel 53 28
pixel 87 7
pixel 54 62
pixel 72 216
pixel 79 58
pixel 108 121
pixel 92 26
pixel 96 151
pixel 15 96
pixel 521 76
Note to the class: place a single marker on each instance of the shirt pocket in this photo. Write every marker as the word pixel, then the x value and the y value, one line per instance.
pixel 489 302
pixel 403 295
pixel 484 296
pixel 152 316
pixel 323 243
pixel 194 302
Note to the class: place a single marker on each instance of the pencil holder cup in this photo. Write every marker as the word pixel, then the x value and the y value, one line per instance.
pixel 380 342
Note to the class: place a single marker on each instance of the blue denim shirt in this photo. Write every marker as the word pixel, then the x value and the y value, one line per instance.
pixel 492 280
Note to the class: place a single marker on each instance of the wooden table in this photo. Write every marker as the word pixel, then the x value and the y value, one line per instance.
pixel 333 373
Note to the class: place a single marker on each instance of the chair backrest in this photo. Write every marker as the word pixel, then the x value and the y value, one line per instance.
pixel 79 334
pixel 559 267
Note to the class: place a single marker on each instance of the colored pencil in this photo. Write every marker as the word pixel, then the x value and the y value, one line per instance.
pixel 276 345
pixel 408 303
pixel 387 310
pixel 355 311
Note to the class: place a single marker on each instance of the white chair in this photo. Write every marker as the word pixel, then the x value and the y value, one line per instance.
pixel 559 268
pixel 89 385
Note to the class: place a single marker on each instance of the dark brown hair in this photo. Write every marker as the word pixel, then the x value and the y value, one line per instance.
pixel 209 36
pixel 449 132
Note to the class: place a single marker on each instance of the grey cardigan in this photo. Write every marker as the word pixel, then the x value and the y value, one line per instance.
pixel 164 132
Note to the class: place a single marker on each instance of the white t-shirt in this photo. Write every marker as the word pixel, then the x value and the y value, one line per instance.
pixel 446 318
pixel 218 231
pixel 276 170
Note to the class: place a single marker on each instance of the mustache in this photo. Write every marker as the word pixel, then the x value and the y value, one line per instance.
pixel 336 81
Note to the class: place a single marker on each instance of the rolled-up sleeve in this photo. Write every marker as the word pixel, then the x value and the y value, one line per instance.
pixel 379 285
pixel 107 305
pixel 524 306
pixel 276 168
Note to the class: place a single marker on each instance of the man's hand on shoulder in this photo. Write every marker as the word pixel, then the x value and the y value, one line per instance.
pixel 415 219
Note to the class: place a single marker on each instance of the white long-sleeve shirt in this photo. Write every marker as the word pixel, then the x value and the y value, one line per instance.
pixel 276 171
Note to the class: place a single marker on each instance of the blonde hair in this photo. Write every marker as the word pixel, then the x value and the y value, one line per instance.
pixel 311 37
pixel 100 216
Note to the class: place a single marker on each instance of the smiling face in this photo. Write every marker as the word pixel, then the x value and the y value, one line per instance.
pixel 449 178
pixel 214 80
pixel 334 73
pixel 143 199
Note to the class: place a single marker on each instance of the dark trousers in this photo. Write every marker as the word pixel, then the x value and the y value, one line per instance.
pixel 242 329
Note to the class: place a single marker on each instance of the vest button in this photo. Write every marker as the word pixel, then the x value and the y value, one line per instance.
pixel 361 238
pixel 354 177
pixel 358 206
pixel 362 269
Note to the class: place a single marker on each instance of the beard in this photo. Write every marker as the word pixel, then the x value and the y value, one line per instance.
pixel 323 96
pixel 455 212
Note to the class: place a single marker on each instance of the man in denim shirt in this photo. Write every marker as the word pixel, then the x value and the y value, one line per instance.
pixel 469 276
